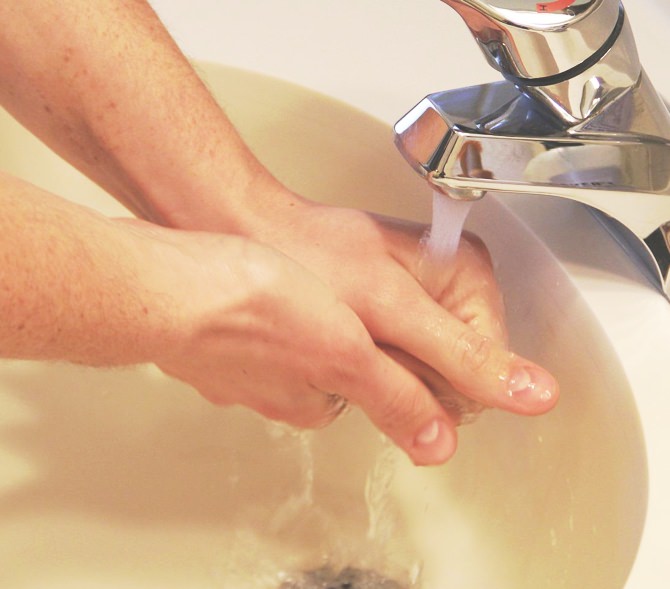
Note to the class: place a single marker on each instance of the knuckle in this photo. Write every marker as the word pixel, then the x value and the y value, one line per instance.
pixel 350 355
pixel 473 350
pixel 260 272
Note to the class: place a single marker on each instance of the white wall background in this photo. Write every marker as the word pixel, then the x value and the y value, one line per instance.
pixel 380 55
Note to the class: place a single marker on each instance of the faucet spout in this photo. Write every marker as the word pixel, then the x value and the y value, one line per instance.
pixel 613 153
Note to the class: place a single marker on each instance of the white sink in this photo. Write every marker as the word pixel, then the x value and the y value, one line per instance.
pixel 124 478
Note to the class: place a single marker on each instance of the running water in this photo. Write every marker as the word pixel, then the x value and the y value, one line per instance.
pixel 297 504
pixel 439 246
pixel 378 495
pixel 449 216
pixel 441 242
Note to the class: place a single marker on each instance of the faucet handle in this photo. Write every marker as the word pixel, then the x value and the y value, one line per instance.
pixel 574 56
pixel 535 39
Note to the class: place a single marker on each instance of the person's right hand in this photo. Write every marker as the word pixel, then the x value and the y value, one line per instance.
pixel 253 327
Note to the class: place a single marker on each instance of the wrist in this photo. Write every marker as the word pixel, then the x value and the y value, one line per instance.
pixel 251 204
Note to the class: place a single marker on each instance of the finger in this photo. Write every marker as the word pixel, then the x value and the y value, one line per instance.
pixel 401 406
pixel 478 366
pixel 461 408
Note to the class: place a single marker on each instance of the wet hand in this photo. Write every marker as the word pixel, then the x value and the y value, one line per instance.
pixel 253 327
pixel 449 328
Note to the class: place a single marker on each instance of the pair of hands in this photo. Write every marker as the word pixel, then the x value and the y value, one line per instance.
pixel 335 310
pixel 332 306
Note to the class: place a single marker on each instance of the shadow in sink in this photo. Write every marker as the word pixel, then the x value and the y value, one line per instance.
pixel 127 478
pixel 95 462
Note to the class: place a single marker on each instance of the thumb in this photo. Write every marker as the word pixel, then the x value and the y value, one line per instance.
pixel 476 365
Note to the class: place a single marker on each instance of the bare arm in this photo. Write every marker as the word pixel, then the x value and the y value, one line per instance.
pixel 104 85
pixel 238 321
pixel 67 273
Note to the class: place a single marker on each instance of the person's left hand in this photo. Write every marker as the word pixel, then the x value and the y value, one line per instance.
pixel 444 321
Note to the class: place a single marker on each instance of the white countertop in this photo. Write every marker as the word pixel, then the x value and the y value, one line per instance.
pixel 382 57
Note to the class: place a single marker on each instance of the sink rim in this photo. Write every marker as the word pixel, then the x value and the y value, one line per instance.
pixel 349 109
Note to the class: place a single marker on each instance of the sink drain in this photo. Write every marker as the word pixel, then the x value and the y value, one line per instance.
pixel 348 578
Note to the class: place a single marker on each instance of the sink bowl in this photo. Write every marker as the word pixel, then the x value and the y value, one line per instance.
pixel 126 478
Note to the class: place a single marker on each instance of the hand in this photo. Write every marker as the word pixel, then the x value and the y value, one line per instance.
pixel 254 327
pixel 377 266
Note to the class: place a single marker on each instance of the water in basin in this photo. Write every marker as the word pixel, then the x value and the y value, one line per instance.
pixel 125 478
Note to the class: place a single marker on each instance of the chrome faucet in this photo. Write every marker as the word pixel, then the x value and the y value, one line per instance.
pixel 575 117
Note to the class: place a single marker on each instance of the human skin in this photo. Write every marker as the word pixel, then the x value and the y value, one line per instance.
pixel 217 311
pixel 105 86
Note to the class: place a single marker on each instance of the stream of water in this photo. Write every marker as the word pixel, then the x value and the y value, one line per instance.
pixel 439 246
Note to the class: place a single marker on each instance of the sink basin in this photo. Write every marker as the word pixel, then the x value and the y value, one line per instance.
pixel 126 478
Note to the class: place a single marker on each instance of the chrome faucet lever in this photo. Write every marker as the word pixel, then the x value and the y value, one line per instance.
pixel 570 54
pixel 576 117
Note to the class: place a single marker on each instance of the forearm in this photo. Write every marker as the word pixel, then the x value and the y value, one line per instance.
pixel 74 285
pixel 105 86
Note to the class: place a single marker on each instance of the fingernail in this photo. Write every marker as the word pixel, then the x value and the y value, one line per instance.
pixel 529 383
pixel 429 434
pixel 434 444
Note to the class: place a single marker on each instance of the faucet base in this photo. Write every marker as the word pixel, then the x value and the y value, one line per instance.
pixel 495 138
